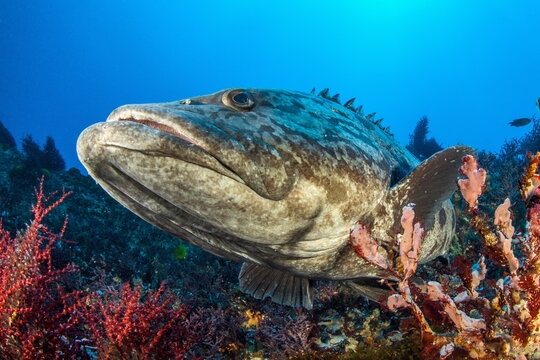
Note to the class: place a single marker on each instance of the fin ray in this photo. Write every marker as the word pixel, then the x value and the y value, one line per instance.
pixel 284 288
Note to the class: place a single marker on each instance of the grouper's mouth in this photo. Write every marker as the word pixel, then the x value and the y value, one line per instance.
pixel 175 128
pixel 157 130
pixel 161 127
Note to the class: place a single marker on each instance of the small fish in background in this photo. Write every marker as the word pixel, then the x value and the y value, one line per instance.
pixel 538 103
pixel 520 122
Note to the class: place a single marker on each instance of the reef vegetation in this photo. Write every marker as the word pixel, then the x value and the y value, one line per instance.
pixel 419 144
pixel 103 284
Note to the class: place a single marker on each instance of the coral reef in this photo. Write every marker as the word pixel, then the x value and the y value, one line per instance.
pixel 35 308
pixel 7 141
pixel 37 161
pixel 503 319
pixel 122 326
pixel 66 293
pixel 419 144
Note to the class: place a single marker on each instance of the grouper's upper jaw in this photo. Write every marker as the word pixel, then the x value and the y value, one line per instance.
pixel 157 130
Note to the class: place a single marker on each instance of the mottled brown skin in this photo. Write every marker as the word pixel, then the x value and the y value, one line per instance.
pixel 279 185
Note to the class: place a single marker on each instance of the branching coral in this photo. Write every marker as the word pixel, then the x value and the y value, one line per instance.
pixel 41 318
pixel 124 326
pixel 506 321
pixel 34 309
pixel 473 185
pixel 367 248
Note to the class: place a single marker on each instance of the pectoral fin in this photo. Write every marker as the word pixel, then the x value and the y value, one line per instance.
pixel 430 184
pixel 284 288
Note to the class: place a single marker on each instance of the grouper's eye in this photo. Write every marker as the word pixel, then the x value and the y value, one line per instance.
pixel 239 99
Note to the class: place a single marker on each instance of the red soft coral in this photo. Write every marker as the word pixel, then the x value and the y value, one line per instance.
pixel 34 309
pixel 125 326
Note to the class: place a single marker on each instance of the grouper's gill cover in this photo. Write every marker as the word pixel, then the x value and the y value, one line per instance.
pixel 272 178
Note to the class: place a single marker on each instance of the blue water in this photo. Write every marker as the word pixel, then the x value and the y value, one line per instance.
pixel 471 67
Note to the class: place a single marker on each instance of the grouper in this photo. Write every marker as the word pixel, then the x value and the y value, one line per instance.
pixel 274 179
